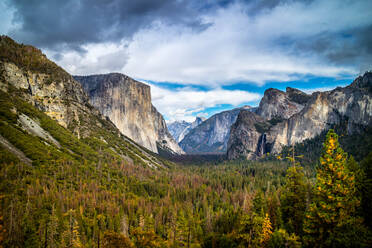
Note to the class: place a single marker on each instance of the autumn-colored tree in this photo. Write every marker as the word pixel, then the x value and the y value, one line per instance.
pixel 71 237
pixel 254 231
pixel 293 200
pixel 116 240
pixel 330 220
pixel 265 235
pixel 146 238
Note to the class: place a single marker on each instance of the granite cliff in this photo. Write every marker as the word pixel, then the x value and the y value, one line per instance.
pixel 281 105
pixel 211 136
pixel 291 117
pixel 127 103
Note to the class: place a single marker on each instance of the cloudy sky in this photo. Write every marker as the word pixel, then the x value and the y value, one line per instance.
pixel 201 57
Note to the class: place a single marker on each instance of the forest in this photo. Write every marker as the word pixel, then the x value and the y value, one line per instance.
pixel 274 203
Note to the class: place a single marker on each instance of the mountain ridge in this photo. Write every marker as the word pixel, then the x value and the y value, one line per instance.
pixel 318 112
pixel 179 129
pixel 211 136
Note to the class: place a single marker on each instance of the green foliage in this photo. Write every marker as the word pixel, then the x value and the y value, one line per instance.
pixel 293 200
pixel 30 58
pixel 262 127
pixel 366 189
pixel 331 220
pixel 116 240
pixel 281 239
pixel 6 157
pixel 358 144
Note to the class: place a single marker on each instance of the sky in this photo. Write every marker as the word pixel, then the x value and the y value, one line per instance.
pixel 201 57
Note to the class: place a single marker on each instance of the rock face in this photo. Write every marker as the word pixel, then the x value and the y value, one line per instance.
pixel 244 138
pixel 211 136
pixel 48 87
pixel 179 129
pixel 127 103
pixel 318 112
pixel 279 104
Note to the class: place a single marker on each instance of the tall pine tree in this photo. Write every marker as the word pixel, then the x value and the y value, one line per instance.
pixel 331 220
pixel 293 200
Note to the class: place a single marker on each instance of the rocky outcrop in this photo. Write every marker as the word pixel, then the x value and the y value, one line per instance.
pixel 179 129
pixel 212 135
pixel 320 111
pixel 127 103
pixel 244 141
pixel 44 84
pixel 64 100
pixel 281 105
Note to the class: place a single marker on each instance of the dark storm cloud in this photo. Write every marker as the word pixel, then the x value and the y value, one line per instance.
pixel 349 47
pixel 334 32
pixel 69 23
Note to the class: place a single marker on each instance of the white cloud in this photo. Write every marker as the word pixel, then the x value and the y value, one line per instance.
pixel 184 103
pixel 6 18
pixel 236 47
pixel 98 59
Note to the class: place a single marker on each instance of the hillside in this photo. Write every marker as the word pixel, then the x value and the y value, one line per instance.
pixel 35 91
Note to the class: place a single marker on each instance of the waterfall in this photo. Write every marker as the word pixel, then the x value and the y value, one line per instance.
pixel 261 148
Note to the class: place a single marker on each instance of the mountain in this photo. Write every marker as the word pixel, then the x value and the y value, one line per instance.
pixel 281 105
pixel 179 129
pixel 292 117
pixel 127 103
pixel 245 136
pixel 46 115
pixel 211 136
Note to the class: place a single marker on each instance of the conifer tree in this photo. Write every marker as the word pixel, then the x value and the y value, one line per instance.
pixel 2 231
pixel 366 165
pixel 330 220
pixel 116 240
pixel 71 237
pixel 53 229
pixel 182 229
pixel 293 200
pixel 266 230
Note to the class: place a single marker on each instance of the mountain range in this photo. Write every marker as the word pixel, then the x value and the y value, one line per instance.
pixel 282 119
pixel 113 108
pixel 179 129
pixel 291 117
pixel 212 135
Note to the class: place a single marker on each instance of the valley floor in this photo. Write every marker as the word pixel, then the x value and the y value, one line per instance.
pixel 120 204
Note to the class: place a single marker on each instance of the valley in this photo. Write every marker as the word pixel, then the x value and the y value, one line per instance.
pixel 88 161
